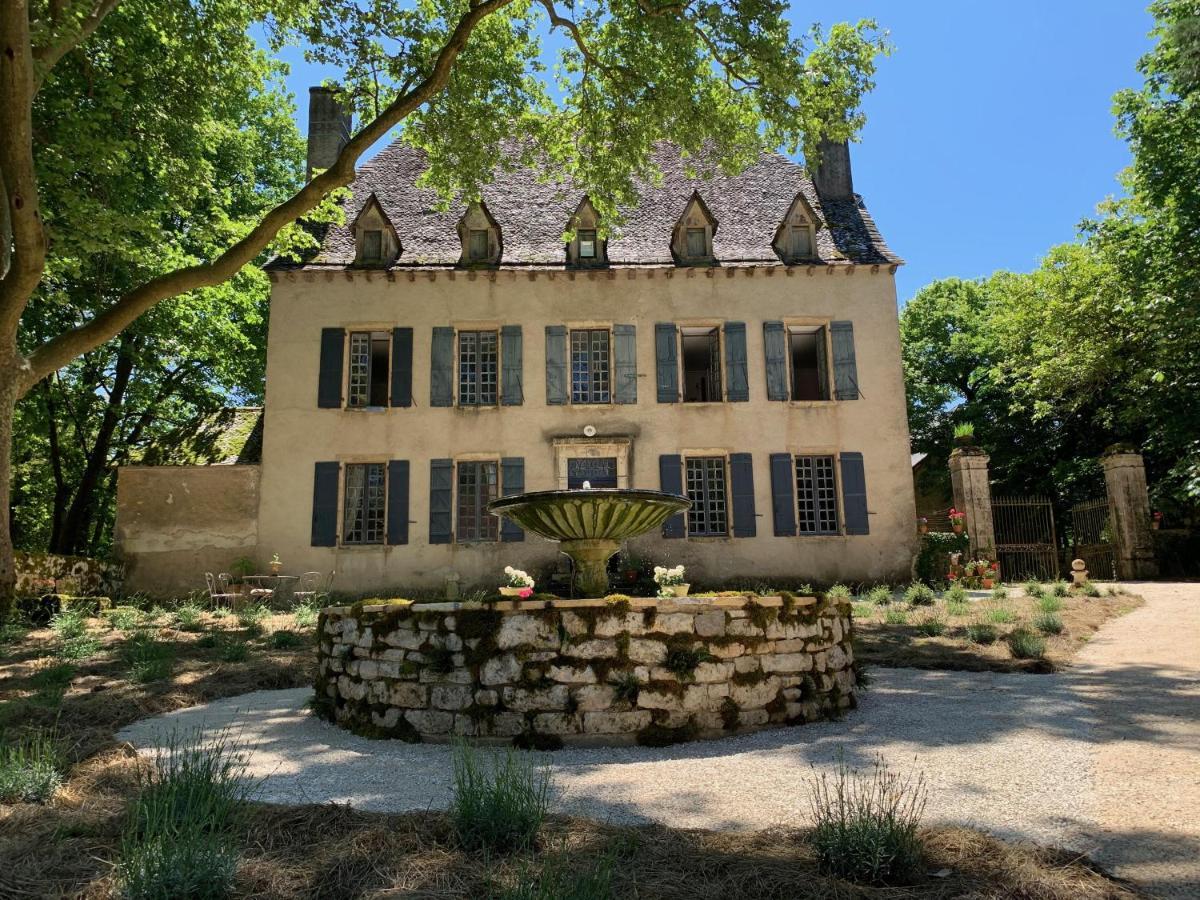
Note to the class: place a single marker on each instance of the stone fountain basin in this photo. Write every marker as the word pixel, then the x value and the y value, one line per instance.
pixel 589 514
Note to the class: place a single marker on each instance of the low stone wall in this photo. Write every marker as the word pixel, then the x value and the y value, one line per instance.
pixel 617 670
pixel 48 573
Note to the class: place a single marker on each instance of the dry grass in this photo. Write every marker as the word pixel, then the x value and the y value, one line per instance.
pixel 905 646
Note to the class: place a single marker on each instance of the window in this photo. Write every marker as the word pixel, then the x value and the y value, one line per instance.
pixel 477 486
pixel 816 495
pixel 706 489
pixel 810 376
pixel 477 246
pixel 478 359
pixel 590 366
pixel 701 365
pixel 587 243
pixel 362 516
pixel 802 242
pixel 368 368
pixel 697 243
pixel 372 246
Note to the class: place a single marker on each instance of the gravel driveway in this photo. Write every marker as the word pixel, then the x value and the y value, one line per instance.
pixel 1104 758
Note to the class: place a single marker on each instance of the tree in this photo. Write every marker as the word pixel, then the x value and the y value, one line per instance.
pixel 721 79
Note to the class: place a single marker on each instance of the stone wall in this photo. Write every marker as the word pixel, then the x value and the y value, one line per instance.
pixel 49 573
pixel 617 670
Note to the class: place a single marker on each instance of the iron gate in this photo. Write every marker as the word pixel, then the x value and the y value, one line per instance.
pixel 1026 545
pixel 1091 537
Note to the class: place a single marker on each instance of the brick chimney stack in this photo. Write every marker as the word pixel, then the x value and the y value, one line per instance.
pixel 328 128
pixel 833 178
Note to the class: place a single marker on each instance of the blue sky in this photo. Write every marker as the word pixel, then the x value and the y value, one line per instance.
pixel 989 135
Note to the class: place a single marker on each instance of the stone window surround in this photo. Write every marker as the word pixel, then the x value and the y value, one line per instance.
pixel 591 325
pixel 372 326
pixel 479 325
pixel 790 322
pixel 619 446
pixel 719 325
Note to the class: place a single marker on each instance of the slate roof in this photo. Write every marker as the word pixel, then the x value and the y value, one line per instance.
pixel 533 214
pixel 230 436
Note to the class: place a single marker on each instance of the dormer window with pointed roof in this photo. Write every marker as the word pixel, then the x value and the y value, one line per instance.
pixel 692 242
pixel 480 236
pixel 375 240
pixel 586 248
pixel 796 238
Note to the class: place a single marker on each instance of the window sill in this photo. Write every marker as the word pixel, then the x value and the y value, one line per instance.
pixel 476 407
pixel 366 409
pixel 811 404
pixel 482 542
pixel 706 402
pixel 709 538
pixel 378 546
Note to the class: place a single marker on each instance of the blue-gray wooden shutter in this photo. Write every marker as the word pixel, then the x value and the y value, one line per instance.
pixel 845 370
pixel 556 365
pixel 854 493
pixel 775 351
pixel 512 481
pixel 741 477
pixel 397 501
pixel 329 380
pixel 441 368
pixel 325 504
pixel 666 362
pixel 402 364
pixel 783 494
pixel 670 480
pixel 441 500
pixel 512 391
pixel 737 384
pixel 625 363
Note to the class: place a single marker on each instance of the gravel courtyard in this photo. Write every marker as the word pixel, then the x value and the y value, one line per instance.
pixel 1103 758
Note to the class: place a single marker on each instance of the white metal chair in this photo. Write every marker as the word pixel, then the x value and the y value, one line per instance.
pixel 218 588
pixel 307 587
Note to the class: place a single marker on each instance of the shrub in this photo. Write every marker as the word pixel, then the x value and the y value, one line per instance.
pixel 251 617
pixel 932 626
pixel 862 610
pixel 1001 615
pixel 31 768
pixel 81 647
pixel 1034 589
pixel 189 617
pixel 207 641
pixel 866 823
pixel 919 594
pixel 502 809
pixel 306 615
pixel 896 615
pixel 70 623
pixel 1089 590
pixel 981 633
pixel 561 879
pixel 124 618
pixel 957 607
pixel 1060 589
pixel 956 593
pixel 839 592
pixel 234 651
pixel 880 595
pixel 285 640
pixel 193 864
pixel 149 660
pixel 1050 604
pixel 999 592
pixel 1048 623
pixel 1024 644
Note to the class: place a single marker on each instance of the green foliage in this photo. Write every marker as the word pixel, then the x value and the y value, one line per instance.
pixel 964 431
pixel 1050 604
pixel 683 660
pixel 1034 589
pixel 251 617
pixel 896 615
pixel 82 647
pixel 880 595
pixel 52 678
pixel 981 633
pixel 124 618
pixel 233 651
pixel 932 625
pixel 957 607
pixel 283 639
pixel 1024 644
pixel 31 767
pixel 149 660
pixel 919 594
pixel 839 592
pixel 189 617
pixel 626 687
pixel 1060 589
pixel 561 878
pixel 498 807
pixel 1048 623
pixel 1000 615
pixel 956 593
pixel 999 592
pixel 306 614
pixel 1089 590
pixel 70 623
pixel 862 610
pixel 933 559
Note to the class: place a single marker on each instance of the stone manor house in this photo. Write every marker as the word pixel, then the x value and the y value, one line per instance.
pixel 736 340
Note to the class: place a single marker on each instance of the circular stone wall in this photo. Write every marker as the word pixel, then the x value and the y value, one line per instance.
pixel 610 671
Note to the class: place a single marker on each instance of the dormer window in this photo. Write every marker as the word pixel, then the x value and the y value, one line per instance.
pixel 375 240
pixel 587 243
pixel 585 247
pixel 480 236
pixel 697 243
pixel 796 239
pixel 692 241
pixel 372 245
pixel 802 242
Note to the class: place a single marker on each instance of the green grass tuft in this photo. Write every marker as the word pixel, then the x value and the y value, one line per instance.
pixel 69 624
pixel 1050 604
pixel 839 592
pixel 83 646
pixel 1001 615
pixel 31 767
pixel 124 618
pixel 1060 588
pixel 919 594
pixel 560 878
pixel 306 615
pixel 999 592
pixel 932 625
pixel 1034 589
pixel 880 595
pixel 498 808
pixel 956 593
pixel 189 617
pixel 251 617
pixel 896 615
pixel 149 660
pixel 981 633
pixel 1024 644
pixel 284 639
pixel 233 651
pixel 1048 623
pixel 1089 590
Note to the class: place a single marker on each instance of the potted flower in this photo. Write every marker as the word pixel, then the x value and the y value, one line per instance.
pixel 964 434
pixel 1156 520
pixel 922 525
pixel 670 581
pixel 957 520
pixel 276 564
pixel 518 583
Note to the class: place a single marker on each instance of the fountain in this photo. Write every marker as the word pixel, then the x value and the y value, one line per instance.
pixel 590 523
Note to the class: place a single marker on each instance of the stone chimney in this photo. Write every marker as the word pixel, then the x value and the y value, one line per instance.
pixel 328 128
pixel 833 178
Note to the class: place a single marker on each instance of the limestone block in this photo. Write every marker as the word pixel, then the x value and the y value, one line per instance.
pixel 541 655
pixel 612 722
pixel 425 625
pixel 820 661
pixel 366 639
pixel 649 699
pixel 555 723
pixel 351 688
pixel 845 680
pixel 524 630
pixel 388 720
pixel 591 650
pixel 750 696
pixel 727 651
pixel 487 697
pixel 465 726
pixel 791 645
pixel 749 718
pixel 787 662
pixel 674 719
pixel 836 658
pixel 504 669
pixel 658 673
pixel 743 628
pixel 708 720
pixel 675 623
pixel 649 652
pixel 405 638
pixel 836 622
pixel 574 625
pixel 454 676
pixel 612 624
pixel 394 654
pixel 527 699
pixel 711 624
pixel 451 696
pixel 792 693
pixel 713 671
pixel 450 622
pixel 744 664
pixel 429 721
pixel 572 674
pixel 593 697
pixel 506 724
pixel 408 694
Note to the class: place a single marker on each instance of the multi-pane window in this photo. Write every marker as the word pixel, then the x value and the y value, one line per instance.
pixel 372 245
pixel 701 365
pixel 697 243
pixel 477 244
pixel 363 513
pixel 810 376
pixel 587 243
pixel 368 368
pixel 590 366
pixel 816 495
pixel 477 486
pixel 706 490
pixel 478 362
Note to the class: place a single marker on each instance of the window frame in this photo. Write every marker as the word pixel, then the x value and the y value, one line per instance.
pixel 709 463
pixel 581 240
pixel 477 379
pixel 368 235
pixel 811 237
pixel 486 525
pixel 831 503
pixel 487 245
pixel 825 351
pixel 592 391
pixel 717 354
pixel 371 519
pixel 702 231
pixel 369 385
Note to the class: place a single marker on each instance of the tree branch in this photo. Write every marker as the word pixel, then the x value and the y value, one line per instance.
pixel 77 32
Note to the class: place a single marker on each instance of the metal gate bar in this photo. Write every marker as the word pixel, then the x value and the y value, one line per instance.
pixel 1091 539
pixel 1026 544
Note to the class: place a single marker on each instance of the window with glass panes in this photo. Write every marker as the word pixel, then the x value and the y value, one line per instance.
pixel 368 369
pixel 706 490
pixel 590 366
pixel 478 362
pixel 363 510
pixel 478 485
pixel 816 495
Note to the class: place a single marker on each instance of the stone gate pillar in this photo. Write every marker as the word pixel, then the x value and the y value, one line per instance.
pixel 973 497
pixel 1129 514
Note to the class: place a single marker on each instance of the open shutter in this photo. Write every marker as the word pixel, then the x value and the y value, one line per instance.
pixel 822 367
pixel 775 351
pixel 325 503
pixel 783 494
pixel 845 369
pixel 670 480
pixel 556 365
pixel 625 363
pixel 441 368
pixel 402 362
pixel 512 391
pixel 854 494
pixel 397 502
pixel 737 385
pixel 329 381
pixel 666 362
pixel 741 477
pixel 441 500
pixel 512 481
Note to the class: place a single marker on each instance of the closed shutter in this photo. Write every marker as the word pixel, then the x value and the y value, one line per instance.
pixel 845 369
pixel 512 391
pixel 512 481
pixel 397 502
pixel 441 500
pixel 670 480
pixel 741 477
pixel 666 362
pixel 325 504
pixel 441 368
pixel 625 363
pixel 329 380
pixel 737 384
pixel 854 494
pixel 783 494
pixel 402 363
pixel 556 365
pixel 775 350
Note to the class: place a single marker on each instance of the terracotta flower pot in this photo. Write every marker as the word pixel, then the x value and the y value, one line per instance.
pixel 988 584
pixel 511 591
pixel 957 526
pixel 924 529
pixel 680 590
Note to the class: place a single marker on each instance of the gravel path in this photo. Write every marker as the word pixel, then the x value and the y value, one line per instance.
pixel 1104 758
